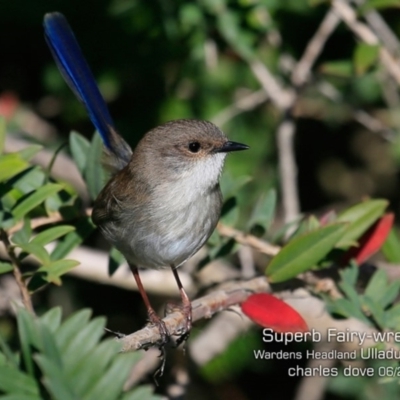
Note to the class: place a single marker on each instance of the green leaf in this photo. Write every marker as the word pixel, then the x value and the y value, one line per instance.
pixel 347 309
pixel 230 212
pixel 14 381
pixel 390 294
pixel 7 354
pixel 83 228
pixel 37 282
pixel 228 24
pixel 360 217
pixel 115 260
pixel 94 173
pixel 85 375
pixel 52 234
pixel 190 16
pixel 57 268
pixel 35 199
pixel 55 380
pixel 378 4
pixel 36 250
pixel 69 328
pixel 28 335
pixel 11 165
pixel 347 284
pixel 342 69
pixel 5 267
pixel 377 285
pixel 3 131
pixel 350 274
pixel 24 234
pixel 227 246
pixel 392 317
pixel 113 381
pixel 83 342
pixel 365 56
pixel 303 252
pixel 380 291
pixel 230 186
pixel 29 180
pixel 376 311
pixel 21 396
pixel 52 319
pixel 79 149
pixel 59 201
pixel 142 392
pixel 28 152
pixel 391 247
pixel 309 224
pixel 49 346
pixel 263 212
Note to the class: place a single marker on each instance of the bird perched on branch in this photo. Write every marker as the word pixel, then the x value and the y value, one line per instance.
pixel 163 201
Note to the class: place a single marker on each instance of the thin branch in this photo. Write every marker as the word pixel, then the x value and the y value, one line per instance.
pixel 282 99
pixel 363 32
pixel 301 72
pixel 314 387
pixel 204 307
pixel 248 240
pixel 64 168
pixel 26 298
pixel 210 342
pixel 381 28
pixel 288 169
pixel 244 103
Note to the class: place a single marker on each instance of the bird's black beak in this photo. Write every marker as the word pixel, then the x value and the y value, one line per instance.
pixel 227 147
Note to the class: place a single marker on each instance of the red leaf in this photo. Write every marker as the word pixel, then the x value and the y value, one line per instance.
pixel 9 103
pixel 371 241
pixel 270 312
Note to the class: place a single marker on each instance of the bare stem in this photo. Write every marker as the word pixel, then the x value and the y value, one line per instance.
pixel 204 307
pixel 248 240
pixel 26 298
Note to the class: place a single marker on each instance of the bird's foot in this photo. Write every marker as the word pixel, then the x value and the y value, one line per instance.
pixel 165 335
pixel 183 332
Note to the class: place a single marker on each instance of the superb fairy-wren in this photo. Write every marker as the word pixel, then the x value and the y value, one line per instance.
pixel 163 201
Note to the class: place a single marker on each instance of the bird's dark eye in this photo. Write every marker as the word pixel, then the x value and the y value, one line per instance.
pixel 194 147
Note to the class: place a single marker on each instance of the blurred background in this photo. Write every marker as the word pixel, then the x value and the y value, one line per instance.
pixel 233 62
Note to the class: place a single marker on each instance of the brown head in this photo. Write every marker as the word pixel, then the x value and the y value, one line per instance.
pixel 184 148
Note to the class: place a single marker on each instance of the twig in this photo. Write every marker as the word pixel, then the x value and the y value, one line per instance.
pixel 248 240
pixel 301 72
pixel 313 387
pixel 26 298
pixel 288 169
pixel 284 99
pixel 381 28
pixel 245 103
pixel 373 124
pixel 204 307
pixel 363 32
pixel 210 342
pixel 64 168
pixel 246 258
pixel 281 98
pixel 286 129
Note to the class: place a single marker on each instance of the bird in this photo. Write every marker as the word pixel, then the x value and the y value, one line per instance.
pixel 163 200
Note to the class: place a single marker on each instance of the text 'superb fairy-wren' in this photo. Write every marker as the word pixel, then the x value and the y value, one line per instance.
pixel 163 201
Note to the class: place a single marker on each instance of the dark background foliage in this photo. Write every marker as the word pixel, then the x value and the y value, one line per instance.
pixel 158 60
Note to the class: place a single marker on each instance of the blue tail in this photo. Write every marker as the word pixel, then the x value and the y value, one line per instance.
pixel 77 74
